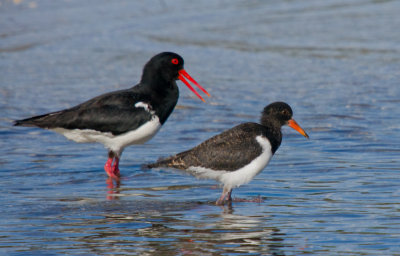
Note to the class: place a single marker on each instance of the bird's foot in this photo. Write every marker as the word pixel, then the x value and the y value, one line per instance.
pixel 114 174
pixel 225 194
pixel 220 202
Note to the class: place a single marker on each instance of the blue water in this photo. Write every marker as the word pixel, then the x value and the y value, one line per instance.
pixel 335 62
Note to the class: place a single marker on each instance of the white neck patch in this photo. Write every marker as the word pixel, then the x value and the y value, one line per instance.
pixel 146 107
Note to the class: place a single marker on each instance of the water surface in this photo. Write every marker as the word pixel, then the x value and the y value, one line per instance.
pixel 335 62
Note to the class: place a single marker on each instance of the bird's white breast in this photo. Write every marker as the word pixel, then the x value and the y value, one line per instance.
pixel 116 143
pixel 232 179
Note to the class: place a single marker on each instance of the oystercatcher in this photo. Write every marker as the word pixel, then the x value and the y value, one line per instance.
pixel 235 156
pixel 125 117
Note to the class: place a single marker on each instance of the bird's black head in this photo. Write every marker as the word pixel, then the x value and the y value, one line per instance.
pixel 279 114
pixel 164 66
pixel 278 111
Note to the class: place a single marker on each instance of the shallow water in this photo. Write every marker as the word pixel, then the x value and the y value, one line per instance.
pixel 335 62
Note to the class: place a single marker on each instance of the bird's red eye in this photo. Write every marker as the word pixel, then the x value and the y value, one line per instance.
pixel 175 61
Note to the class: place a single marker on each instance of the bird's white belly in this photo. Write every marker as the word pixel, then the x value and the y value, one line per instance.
pixel 116 143
pixel 232 179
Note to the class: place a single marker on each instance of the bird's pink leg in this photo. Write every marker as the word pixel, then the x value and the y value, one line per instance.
pixel 108 167
pixel 111 168
pixel 115 167
pixel 225 193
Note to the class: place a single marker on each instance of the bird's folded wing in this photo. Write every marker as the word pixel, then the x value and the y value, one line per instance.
pixel 226 151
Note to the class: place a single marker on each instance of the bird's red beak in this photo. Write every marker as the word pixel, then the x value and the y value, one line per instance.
pixel 297 127
pixel 182 75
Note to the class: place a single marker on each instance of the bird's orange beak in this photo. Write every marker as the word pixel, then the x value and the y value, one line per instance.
pixel 182 75
pixel 297 127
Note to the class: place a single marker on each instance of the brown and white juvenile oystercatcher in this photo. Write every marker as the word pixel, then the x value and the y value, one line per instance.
pixel 125 117
pixel 235 156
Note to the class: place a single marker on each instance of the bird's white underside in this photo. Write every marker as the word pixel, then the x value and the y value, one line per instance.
pixel 232 179
pixel 115 143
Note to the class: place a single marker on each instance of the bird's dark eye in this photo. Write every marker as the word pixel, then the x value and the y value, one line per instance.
pixel 175 61
pixel 285 112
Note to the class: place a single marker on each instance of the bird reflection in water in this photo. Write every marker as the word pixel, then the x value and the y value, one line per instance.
pixel 247 234
pixel 113 191
pixel 228 232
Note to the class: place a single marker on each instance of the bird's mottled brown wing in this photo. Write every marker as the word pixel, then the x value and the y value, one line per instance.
pixel 227 151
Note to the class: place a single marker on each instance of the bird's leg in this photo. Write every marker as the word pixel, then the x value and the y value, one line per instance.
pixel 107 166
pixel 221 199
pixel 225 192
pixel 115 166
pixel 229 197
pixel 112 168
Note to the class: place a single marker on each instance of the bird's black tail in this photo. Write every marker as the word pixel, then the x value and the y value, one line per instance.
pixel 42 121
pixel 26 122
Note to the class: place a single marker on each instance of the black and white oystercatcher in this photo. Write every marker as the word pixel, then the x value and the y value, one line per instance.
pixel 122 118
pixel 235 156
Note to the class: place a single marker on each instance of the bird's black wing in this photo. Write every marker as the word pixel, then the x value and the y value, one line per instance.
pixel 113 112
